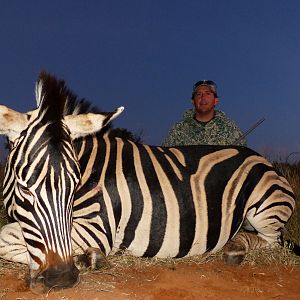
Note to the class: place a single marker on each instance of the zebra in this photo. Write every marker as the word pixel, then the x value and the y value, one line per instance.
pixel 75 192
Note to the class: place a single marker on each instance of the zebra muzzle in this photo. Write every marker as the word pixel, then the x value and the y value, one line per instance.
pixel 55 278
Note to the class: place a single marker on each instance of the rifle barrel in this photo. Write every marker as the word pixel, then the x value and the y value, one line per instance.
pixel 249 131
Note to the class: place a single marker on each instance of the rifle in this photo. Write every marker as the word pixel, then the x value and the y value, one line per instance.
pixel 248 131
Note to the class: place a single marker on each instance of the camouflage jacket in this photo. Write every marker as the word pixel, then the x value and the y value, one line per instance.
pixel 219 131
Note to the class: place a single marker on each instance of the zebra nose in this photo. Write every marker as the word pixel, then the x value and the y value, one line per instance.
pixel 57 277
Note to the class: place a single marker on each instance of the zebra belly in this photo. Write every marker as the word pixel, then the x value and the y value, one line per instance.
pixel 172 242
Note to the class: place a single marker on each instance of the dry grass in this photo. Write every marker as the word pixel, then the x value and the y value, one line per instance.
pixel 292 174
pixel 275 256
pixel 126 260
pixel 271 256
pixel 3 215
pixel 7 266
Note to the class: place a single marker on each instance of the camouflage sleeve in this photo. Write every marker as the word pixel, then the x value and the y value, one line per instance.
pixel 236 135
pixel 171 139
pixel 174 138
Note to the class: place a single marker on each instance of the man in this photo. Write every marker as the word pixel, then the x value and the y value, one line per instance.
pixel 204 125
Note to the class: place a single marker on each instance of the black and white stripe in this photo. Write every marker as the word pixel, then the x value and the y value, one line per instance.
pixel 174 202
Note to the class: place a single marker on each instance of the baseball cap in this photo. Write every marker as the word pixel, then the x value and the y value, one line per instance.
pixel 211 84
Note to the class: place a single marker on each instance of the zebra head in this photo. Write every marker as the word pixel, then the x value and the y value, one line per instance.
pixel 41 176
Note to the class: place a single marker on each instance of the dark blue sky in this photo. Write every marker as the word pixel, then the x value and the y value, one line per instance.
pixel 146 55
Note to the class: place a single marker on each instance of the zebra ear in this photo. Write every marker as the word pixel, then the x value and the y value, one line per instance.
pixel 12 123
pixel 85 124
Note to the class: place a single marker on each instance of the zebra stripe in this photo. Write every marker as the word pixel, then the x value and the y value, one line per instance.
pixel 136 171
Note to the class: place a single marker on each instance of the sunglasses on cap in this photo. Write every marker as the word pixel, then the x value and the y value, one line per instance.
pixel 205 82
pixel 209 83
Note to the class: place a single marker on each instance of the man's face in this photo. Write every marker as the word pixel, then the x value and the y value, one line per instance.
pixel 204 99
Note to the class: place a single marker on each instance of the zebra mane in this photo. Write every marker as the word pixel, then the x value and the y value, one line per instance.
pixel 55 100
pixel 50 97
pixel 53 94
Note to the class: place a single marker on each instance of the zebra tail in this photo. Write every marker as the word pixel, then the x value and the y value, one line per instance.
pixel 292 246
pixel 287 242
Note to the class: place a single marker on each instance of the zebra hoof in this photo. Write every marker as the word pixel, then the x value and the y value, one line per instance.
pixel 233 259
pixel 234 253
pixel 92 259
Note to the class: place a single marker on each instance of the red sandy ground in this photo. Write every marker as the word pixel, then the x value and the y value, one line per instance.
pixel 213 280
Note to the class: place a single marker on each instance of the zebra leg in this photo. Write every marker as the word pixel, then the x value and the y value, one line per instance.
pixel 267 219
pixel 12 244
pixel 88 253
pixel 236 249
pixel 93 259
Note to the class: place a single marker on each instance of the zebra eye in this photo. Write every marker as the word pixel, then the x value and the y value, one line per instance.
pixel 24 190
